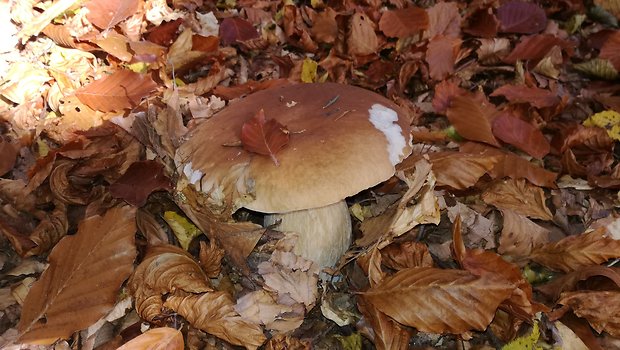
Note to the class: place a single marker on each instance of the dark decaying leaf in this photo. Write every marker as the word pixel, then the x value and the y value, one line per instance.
pixel 139 181
pixel 438 300
pixel 8 155
pixel 402 23
pixel 234 29
pixel 521 134
pixel 165 33
pixel 266 137
pixel 107 14
pixel 123 89
pixel 521 17
pixel 85 273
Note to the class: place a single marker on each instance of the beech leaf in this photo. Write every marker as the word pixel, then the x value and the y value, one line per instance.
pixel 521 17
pixel 537 97
pixel 472 119
pixel 520 197
pixel 461 170
pixel 438 300
pixel 521 134
pixel 265 137
pixel 577 251
pixel 362 38
pixel 234 29
pixel 85 273
pixel 600 308
pixel 163 338
pixel 139 181
pixel 123 89
pixel 107 14
pixel 402 23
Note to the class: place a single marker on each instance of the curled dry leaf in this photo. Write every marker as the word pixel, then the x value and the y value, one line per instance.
pixel 150 228
pixel 389 334
pixel 211 258
pixel 461 170
pixel 569 281
pixel 163 338
pixel 266 137
pixel 139 181
pixel 261 307
pixel 520 235
pixel 107 14
pixel 600 308
pixel 472 119
pixel 520 197
pixel 121 90
pixel 85 273
pixel 215 314
pixel 577 251
pixel 521 134
pixel 63 187
pixel 439 301
pixel 521 17
pixel 362 38
pixel 402 23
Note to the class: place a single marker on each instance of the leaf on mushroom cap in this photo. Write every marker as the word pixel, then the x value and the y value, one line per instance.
pixel 343 139
pixel 265 137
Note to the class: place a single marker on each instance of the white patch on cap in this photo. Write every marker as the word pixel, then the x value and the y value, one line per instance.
pixel 385 119
pixel 193 176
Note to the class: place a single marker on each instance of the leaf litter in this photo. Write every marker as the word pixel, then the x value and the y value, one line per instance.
pixel 499 230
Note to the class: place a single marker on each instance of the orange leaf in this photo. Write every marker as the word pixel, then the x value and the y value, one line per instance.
pixel 107 14
pixel 472 119
pixel 444 19
pixel 537 97
pixel 519 196
pixel 520 235
pixel 266 137
pixel 85 273
pixel 389 334
pixel 521 134
pixel 403 23
pixel 438 300
pixel 362 37
pixel 461 170
pixel 600 308
pixel 164 338
pixel 574 252
pixel 445 90
pixel 535 47
pixel 441 56
pixel 123 89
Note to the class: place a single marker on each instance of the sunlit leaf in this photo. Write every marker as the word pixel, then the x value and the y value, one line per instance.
pixel 265 137
pixel 521 17
pixel 107 14
pixel 461 170
pixel 121 90
pixel 608 120
pixel 527 341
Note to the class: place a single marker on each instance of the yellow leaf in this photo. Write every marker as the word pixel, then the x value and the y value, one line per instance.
pixel 351 342
pixel 138 67
pixel 527 341
pixel 608 120
pixel 184 230
pixel 308 71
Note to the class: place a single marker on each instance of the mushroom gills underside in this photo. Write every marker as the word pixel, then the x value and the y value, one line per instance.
pixel 324 232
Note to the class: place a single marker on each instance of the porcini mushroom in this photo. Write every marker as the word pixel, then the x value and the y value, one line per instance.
pixel 343 139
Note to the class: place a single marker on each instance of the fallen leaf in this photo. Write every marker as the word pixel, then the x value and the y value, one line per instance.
pixel 600 308
pixel 85 273
pixel 107 14
pixel 163 338
pixel 182 228
pixel 519 196
pixel 577 251
pixel 211 258
pixel 520 235
pixel 403 255
pixel 444 19
pixel 235 29
pixel 472 119
pixel 535 47
pixel 537 97
pixel 389 334
pixel 139 181
pixel 325 27
pixel 265 137
pixel 121 90
pixel 521 134
pixel 611 50
pixel 570 281
pixel 461 170
pixel 483 23
pixel 441 56
pixel 438 300
pixel 402 23
pixel 9 151
pixel 521 17
pixel 362 39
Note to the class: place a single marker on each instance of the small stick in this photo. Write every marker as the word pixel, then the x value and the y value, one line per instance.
pixel 332 101
pixel 343 114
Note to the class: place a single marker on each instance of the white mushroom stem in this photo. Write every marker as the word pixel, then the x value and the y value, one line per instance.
pixel 324 232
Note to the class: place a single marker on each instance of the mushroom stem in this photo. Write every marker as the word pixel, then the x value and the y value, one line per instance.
pixel 324 232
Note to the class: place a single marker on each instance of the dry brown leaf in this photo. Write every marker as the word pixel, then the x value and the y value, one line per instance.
pixel 325 28
pixel 520 235
pixel 261 307
pixel 215 314
pixel 163 338
pixel 211 258
pixel 600 308
pixel 577 251
pixel 287 342
pixel 107 14
pixel 569 281
pixel 115 44
pixel 362 38
pixel 399 256
pixel 389 334
pixel 49 231
pixel 439 301
pixel 519 196
pixel 521 134
pixel 9 151
pixel 472 119
pixel 402 23
pixel 85 273
pixel 444 19
pixel 35 26
pixel 150 228
pixel 461 170
pixel 441 56
pixel 123 89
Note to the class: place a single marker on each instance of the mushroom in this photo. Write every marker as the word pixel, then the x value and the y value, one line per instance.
pixel 343 139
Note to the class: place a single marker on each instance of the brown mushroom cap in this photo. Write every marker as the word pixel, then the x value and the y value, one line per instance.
pixel 334 151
